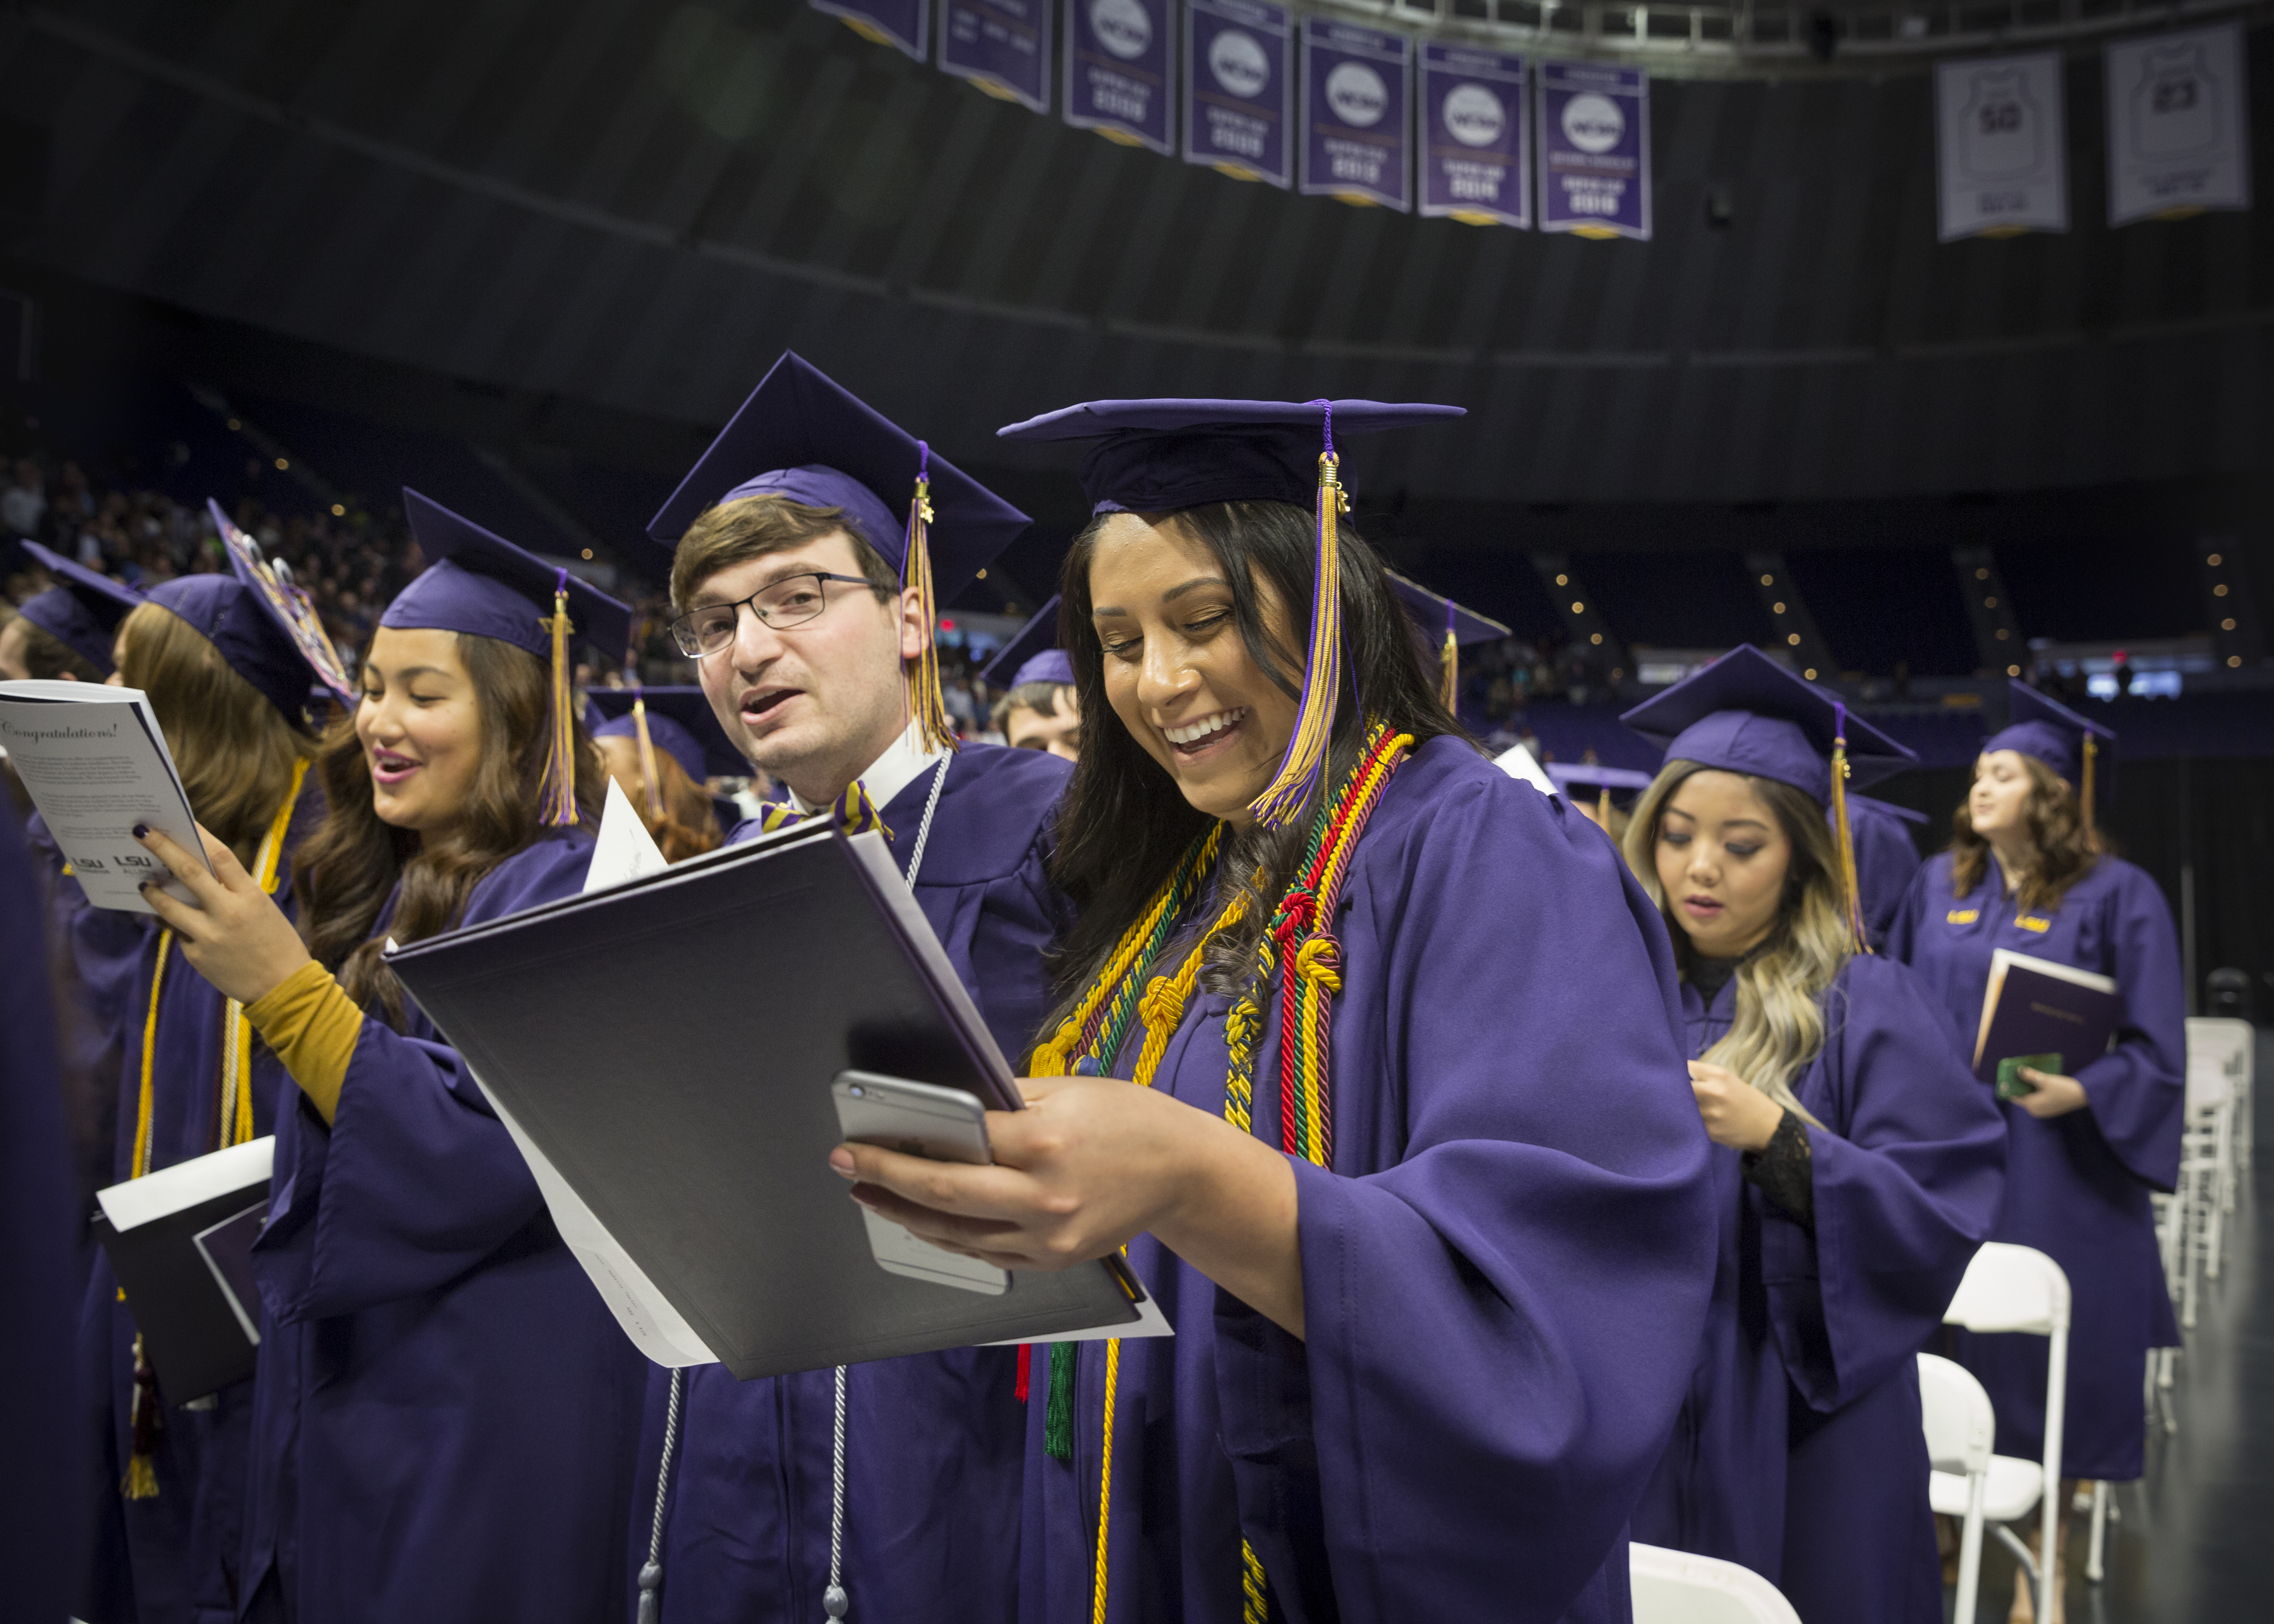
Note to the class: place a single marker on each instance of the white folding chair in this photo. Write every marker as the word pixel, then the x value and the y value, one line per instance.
pixel 2233 1045
pixel 2019 1289
pixel 1674 1587
pixel 1961 1427
pixel 2206 1149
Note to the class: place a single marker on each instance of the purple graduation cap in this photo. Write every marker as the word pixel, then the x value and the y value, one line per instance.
pixel 267 631
pixel 292 608
pixel 803 437
pixel 1163 455
pixel 82 610
pixel 1437 615
pixel 1746 713
pixel 1569 776
pixel 680 722
pixel 483 585
pixel 2078 750
pixel 1033 654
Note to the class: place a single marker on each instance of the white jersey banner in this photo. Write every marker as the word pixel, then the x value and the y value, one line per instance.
pixel 2179 125
pixel 2001 139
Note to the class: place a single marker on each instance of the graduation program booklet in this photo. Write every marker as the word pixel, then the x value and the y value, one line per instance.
pixel 2049 1017
pixel 665 1047
pixel 96 765
pixel 180 1241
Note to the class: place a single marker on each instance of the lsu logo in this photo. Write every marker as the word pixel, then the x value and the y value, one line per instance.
pixel 2029 921
pixel 1962 916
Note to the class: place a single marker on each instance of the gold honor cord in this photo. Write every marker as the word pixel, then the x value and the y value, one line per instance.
pixel 236 1122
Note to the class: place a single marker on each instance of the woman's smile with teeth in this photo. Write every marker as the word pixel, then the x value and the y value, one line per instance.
pixel 1192 733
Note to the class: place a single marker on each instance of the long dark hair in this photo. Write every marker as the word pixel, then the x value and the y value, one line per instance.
pixel 345 871
pixel 1124 822
pixel 2067 846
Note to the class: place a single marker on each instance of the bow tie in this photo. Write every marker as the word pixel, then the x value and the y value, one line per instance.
pixel 851 812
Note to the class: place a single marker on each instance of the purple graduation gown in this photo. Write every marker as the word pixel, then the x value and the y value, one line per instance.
pixel 2076 1187
pixel 445 1412
pixel 173 1557
pixel 37 1224
pixel 1887 858
pixel 1504 1272
pixel 1799 1451
pixel 934 1441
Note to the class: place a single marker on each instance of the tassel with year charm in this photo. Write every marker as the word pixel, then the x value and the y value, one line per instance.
pixel 1283 799
pixel 926 698
pixel 558 796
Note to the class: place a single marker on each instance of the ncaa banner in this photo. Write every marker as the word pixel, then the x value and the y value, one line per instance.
pixel 1475 151
pixel 904 25
pixel 1355 93
pixel 1595 150
pixel 1002 46
pixel 1120 70
pixel 2002 146
pixel 2179 125
pixel 1237 112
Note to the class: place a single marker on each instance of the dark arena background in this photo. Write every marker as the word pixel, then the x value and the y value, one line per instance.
pixel 526 256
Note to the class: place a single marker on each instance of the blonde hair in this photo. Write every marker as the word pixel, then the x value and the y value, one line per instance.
pixel 1779 1027
pixel 234 749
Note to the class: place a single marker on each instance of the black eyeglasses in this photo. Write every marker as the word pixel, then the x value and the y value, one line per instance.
pixel 791 601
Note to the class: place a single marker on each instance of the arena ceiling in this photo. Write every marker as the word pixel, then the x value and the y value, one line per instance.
pixel 640 205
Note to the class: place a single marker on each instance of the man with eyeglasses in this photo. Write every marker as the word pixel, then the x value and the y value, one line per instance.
pixel 805 621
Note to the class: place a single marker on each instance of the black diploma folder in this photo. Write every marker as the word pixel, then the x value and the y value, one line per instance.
pixel 2036 1010
pixel 180 1242
pixel 668 1045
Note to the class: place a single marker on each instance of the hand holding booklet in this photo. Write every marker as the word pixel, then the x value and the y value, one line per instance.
pixel 96 764
pixel 663 1048
pixel 2041 1015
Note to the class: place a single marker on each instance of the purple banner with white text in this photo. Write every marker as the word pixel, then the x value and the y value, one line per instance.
pixel 1595 150
pixel 904 25
pixel 1002 46
pixel 1475 145
pixel 1357 87
pixel 1121 70
pixel 1236 60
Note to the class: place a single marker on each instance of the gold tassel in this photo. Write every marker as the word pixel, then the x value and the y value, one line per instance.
pixel 1449 668
pixel 2091 750
pixel 144 1424
pixel 925 697
pixel 654 789
pixel 1603 806
pixel 559 794
pixel 1282 800
pixel 1851 892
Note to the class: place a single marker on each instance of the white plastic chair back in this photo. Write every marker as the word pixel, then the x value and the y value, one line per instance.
pixel 2210 1083
pixel 1961 1430
pixel 2011 1288
pixel 1674 1587
pixel 2230 1040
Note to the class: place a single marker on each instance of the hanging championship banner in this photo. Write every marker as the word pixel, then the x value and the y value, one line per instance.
pixel 1120 70
pixel 1002 46
pixel 1237 116
pixel 904 25
pixel 2003 145
pixel 1595 150
pixel 1355 94
pixel 1474 147
pixel 2179 125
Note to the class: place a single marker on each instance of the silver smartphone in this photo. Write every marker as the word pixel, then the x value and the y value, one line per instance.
pixel 917 1119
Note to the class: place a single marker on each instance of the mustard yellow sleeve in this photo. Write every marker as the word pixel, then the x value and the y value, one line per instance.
pixel 312 1025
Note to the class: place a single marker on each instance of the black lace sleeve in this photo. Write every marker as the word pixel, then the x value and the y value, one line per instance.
pixel 1785 1173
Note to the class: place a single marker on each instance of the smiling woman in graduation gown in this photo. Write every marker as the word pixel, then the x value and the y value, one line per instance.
pixel 445 1411
pixel 1858 1165
pixel 2027 874
pixel 762 1515
pixel 229 680
pixel 1436 1252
